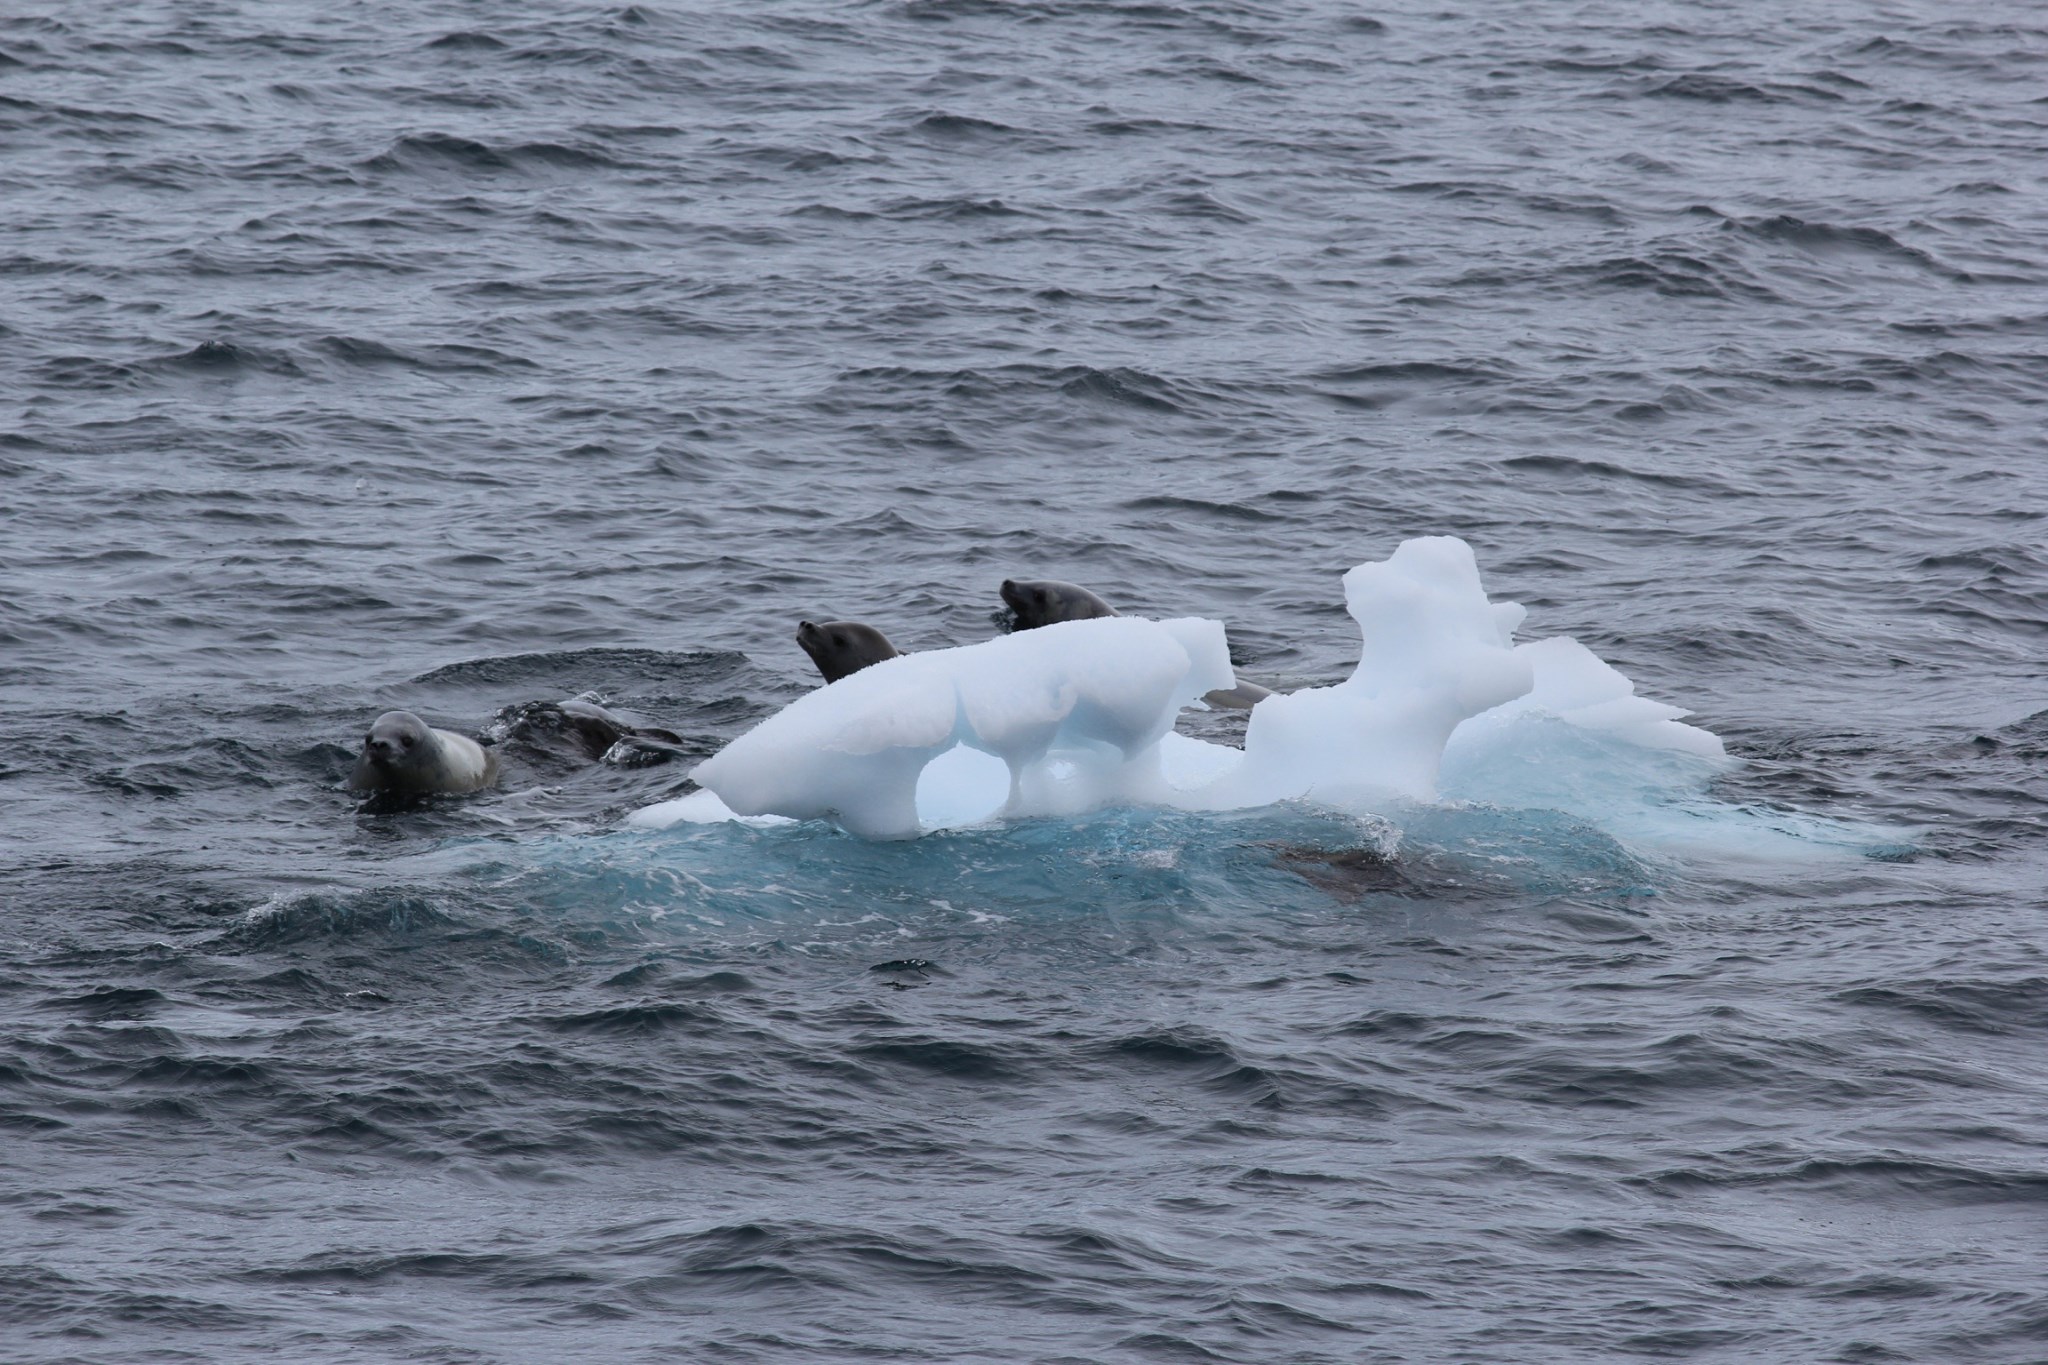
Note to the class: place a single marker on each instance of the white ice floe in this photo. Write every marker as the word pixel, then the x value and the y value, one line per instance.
pixel 1073 716
pixel 1072 712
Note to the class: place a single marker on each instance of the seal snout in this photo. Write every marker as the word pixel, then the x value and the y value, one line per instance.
pixel 393 738
pixel 385 749
pixel 842 647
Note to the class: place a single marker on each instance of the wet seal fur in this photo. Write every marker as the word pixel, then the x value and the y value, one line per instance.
pixel 1047 601
pixel 404 755
pixel 841 648
pixel 583 729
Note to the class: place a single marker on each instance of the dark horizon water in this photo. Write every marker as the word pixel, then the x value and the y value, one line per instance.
pixel 462 357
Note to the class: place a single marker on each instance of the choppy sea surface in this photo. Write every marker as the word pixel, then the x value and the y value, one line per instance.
pixel 462 357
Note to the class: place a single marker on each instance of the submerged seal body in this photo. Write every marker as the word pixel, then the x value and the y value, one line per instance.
pixel 842 647
pixel 1045 601
pixel 580 728
pixel 613 739
pixel 403 754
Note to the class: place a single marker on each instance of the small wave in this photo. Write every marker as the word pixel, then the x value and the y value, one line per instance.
pixel 437 151
pixel 110 1002
pixel 1202 66
pixel 1972 1006
pixel 1607 469
pixel 571 671
pixel 1227 511
pixel 1128 387
pixel 1200 204
pixel 213 1077
pixel 33 1296
pixel 221 357
pixel 946 11
pixel 467 41
pixel 628 1019
pixel 962 126
pixel 1710 89
pixel 1821 237
pixel 85 372
pixel 356 1268
pixel 1601 66
pixel 1873 1178
pixel 1574 206
pixel 940 1056
pixel 1401 371
pixel 313 917
pixel 445 359
pixel 210 355
pixel 949 208
pixel 1134 126
pixel 1193 1053
pixel 1673 272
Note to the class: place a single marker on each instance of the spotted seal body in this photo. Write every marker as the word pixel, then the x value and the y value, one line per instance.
pixel 1045 601
pixel 840 648
pixel 405 755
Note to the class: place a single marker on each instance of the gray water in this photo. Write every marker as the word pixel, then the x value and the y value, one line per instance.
pixel 466 356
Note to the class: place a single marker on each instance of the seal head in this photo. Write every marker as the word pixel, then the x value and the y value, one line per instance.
pixel 403 754
pixel 1044 601
pixel 840 648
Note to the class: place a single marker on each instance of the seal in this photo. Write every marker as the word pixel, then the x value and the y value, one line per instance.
pixel 839 648
pixel 405 755
pixel 580 728
pixel 611 738
pixel 1045 601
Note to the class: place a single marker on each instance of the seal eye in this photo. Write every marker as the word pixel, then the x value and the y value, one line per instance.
pixel 370 741
pixel 406 740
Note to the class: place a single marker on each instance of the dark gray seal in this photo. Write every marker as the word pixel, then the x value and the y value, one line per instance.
pixel 405 755
pixel 840 648
pixel 1046 601
pixel 580 729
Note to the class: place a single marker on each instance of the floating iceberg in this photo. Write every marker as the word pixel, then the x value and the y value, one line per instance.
pixel 1072 716
pixel 1078 715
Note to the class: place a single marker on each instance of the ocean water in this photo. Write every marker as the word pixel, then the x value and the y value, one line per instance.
pixel 462 357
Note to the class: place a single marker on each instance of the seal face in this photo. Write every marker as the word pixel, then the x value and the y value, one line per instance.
pixel 1044 601
pixel 839 648
pixel 402 753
